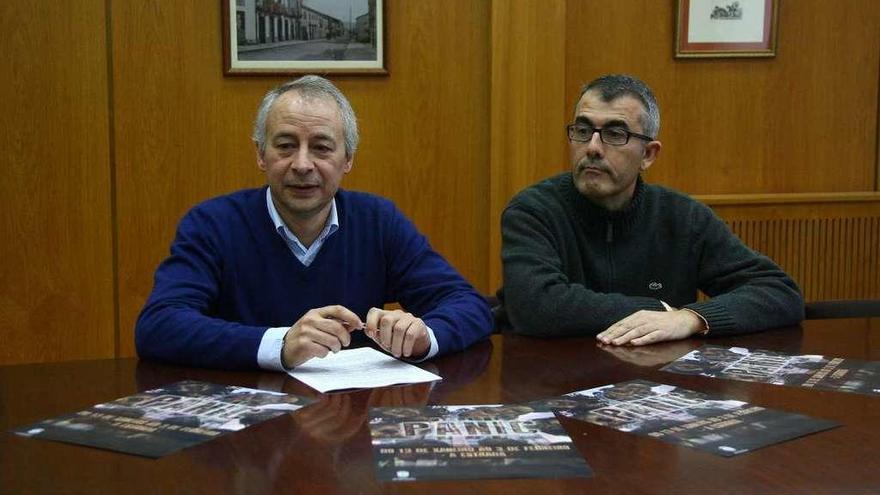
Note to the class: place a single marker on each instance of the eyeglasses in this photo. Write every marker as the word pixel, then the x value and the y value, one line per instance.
pixel 615 136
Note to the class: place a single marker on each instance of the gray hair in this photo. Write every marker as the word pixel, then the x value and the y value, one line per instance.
pixel 613 86
pixel 309 86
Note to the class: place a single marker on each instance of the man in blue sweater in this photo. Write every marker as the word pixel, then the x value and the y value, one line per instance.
pixel 273 277
pixel 597 251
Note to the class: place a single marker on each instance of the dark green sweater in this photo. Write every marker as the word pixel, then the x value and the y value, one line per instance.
pixel 574 268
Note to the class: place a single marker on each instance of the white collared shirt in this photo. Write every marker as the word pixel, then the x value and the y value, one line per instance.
pixel 305 255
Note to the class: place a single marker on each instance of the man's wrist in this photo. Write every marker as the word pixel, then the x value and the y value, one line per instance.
pixel 283 345
pixel 433 347
pixel 703 326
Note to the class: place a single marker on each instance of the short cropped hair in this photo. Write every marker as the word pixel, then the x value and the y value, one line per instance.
pixel 612 86
pixel 309 86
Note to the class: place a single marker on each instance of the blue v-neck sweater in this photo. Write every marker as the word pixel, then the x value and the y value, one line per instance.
pixel 230 276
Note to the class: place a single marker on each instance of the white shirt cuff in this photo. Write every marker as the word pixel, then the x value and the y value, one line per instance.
pixel 435 347
pixel 269 352
pixel 668 307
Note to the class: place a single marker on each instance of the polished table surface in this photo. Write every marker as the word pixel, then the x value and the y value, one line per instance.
pixel 325 447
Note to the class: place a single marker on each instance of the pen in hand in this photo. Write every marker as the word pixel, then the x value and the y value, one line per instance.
pixel 347 325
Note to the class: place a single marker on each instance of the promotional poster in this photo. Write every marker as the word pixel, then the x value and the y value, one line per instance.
pixel 777 368
pixel 684 417
pixel 161 421
pixel 472 442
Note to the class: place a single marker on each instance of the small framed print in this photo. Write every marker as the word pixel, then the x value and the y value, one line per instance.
pixel 726 28
pixel 281 37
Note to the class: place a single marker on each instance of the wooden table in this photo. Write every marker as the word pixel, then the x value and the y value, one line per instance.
pixel 325 448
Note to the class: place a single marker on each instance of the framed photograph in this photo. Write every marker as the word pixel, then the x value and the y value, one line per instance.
pixel 280 37
pixel 726 28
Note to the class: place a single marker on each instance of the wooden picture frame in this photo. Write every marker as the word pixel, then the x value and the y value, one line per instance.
pixel 287 37
pixel 726 28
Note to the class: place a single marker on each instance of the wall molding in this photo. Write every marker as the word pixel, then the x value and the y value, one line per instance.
pixel 788 198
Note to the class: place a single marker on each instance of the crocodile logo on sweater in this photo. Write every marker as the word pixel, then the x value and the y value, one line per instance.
pixel 655 286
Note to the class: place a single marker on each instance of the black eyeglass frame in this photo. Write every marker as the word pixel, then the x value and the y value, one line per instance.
pixel 570 127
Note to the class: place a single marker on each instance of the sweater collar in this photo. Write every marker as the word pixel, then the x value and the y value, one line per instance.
pixel 330 226
pixel 590 212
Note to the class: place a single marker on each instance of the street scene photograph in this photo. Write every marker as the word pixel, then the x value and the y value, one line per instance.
pixel 305 34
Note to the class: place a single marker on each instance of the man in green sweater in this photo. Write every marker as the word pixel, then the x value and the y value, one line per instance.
pixel 597 251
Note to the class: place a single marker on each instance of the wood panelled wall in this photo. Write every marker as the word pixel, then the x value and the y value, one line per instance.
pixel 117 119
pixel 56 254
pixel 828 242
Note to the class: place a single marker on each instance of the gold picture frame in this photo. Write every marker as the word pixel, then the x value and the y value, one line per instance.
pixel 726 28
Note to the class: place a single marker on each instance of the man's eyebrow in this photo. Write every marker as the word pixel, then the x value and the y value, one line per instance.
pixel 580 119
pixel 617 123
pixel 323 136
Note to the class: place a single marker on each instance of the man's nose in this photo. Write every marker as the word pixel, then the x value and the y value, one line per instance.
pixel 301 162
pixel 594 145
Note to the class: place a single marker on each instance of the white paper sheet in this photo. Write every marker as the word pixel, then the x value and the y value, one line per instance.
pixel 358 368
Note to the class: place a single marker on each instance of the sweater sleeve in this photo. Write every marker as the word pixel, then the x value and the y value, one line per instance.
pixel 175 324
pixel 539 298
pixel 748 291
pixel 430 288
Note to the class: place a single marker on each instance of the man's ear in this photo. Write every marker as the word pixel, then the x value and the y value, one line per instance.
pixel 348 164
pixel 260 163
pixel 651 152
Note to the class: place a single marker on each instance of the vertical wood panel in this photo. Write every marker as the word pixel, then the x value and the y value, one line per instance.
pixel 181 132
pixel 426 127
pixel 528 105
pixel 801 242
pixel 863 268
pixel 56 264
pixel 872 252
pixel 807 276
pixel 849 276
pixel 828 275
pixel 821 261
pixel 814 265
